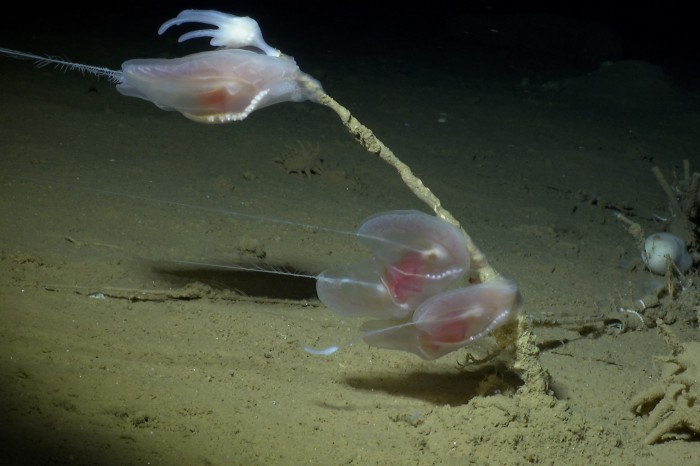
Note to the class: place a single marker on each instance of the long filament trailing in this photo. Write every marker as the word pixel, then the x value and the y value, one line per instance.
pixel 114 76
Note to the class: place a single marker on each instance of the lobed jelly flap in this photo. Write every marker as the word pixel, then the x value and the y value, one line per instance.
pixel 448 321
pixel 420 254
pixel 358 290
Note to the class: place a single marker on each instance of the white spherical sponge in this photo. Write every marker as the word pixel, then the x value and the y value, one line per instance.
pixel 660 247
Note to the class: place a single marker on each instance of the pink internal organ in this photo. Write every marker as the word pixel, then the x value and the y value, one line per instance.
pixel 406 279
pixel 453 330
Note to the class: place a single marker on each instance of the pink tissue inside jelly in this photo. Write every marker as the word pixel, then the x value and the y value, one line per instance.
pixel 406 278
pixel 452 331
pixel 216 99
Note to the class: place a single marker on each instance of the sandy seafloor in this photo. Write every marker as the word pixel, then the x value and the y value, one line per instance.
pixel 113 353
